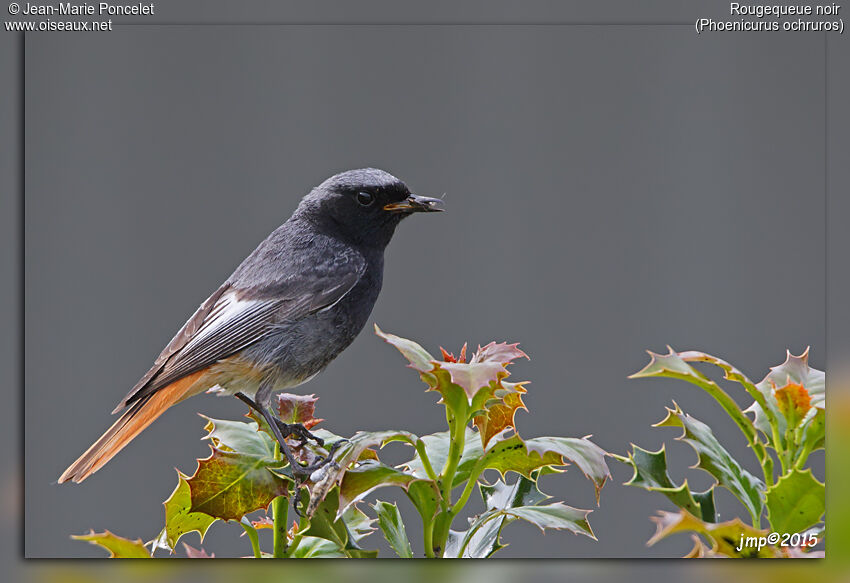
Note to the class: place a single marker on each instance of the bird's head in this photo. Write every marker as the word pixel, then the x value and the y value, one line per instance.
pixel 364 205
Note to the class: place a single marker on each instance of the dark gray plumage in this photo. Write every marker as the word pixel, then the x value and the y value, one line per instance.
pixel 297 301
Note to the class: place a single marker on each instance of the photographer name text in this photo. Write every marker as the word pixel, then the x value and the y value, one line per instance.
pixel 87 9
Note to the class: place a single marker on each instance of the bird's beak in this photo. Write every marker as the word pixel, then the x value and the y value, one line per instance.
pixel 415 204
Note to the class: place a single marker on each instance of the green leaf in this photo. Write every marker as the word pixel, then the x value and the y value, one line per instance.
pixel 714 459
pixel 512 455
pixel 179 518
pixel 118 547
pixel 425 496
pixel 368 476
pixel 358 523
pixel 391 524
pixel 556 516
pixel 671 365
pixel 589 457
pixel 329 523
pixel 419 358
pixel 523 492
pixel 813 431
pixel 311 547
pixel 229 485
pixel 725 537
pixel 795 502
pixel 650 469
pixel 506 503
pixel 239 437
pixel 706 504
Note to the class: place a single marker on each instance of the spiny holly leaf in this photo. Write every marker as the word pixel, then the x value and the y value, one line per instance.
pixel 455 379
pixel 193 553
pixel 229 485
pixel 725 537
pixel 485 370
pixel 714 459
pixel 523 492
pixel 589 457
pixel 449 357
pixel 368 476
pixel 358 523
pixel 299 409
pixel 483 538
pixel 668 365
pixel 513 455
pixel 503 353
pixel 650 469
pixel 179 518
pixel 484 535
pixel 557 516
pixel 419 358
pixel 730 373
pixel 795 370
pixel 795 502
pixel 700 550
pixel 311 547
pixel 471 377
pixel 425 496
pixel 239 437
pixel 118 547
pixel 391 524
pixel 329 523
pixel 499 415
pixel 672 365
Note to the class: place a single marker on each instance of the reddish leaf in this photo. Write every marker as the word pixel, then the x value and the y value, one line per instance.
pixel 229 485
pixel 193 553
pixel 298 409
pixel 472 377
pixel 503 353
pixel 449 357
pixel 500 415
pixel 264 522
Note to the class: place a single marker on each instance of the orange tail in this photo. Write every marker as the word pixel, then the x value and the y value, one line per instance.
pixel 132 422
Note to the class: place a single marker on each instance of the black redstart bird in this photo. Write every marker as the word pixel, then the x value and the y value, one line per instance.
pixel 287 311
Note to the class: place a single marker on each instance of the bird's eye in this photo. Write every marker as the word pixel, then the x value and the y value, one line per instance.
pixel 365 199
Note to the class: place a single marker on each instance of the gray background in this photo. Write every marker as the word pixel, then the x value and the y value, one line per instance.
pixel 610 189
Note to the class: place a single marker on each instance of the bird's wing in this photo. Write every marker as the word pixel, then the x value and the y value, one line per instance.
pixel 231 319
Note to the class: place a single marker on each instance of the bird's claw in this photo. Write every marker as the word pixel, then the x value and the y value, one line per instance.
pixel 298 430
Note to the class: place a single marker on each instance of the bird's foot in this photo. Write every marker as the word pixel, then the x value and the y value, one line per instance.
pixel 299 431
pixel 306 472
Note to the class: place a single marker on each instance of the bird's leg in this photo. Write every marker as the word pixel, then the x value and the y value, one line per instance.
pixel 299 431
pixel 275 425
pixel 293 463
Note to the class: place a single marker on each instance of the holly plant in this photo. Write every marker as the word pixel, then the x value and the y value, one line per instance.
pixel 245 479
pixel 783 425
